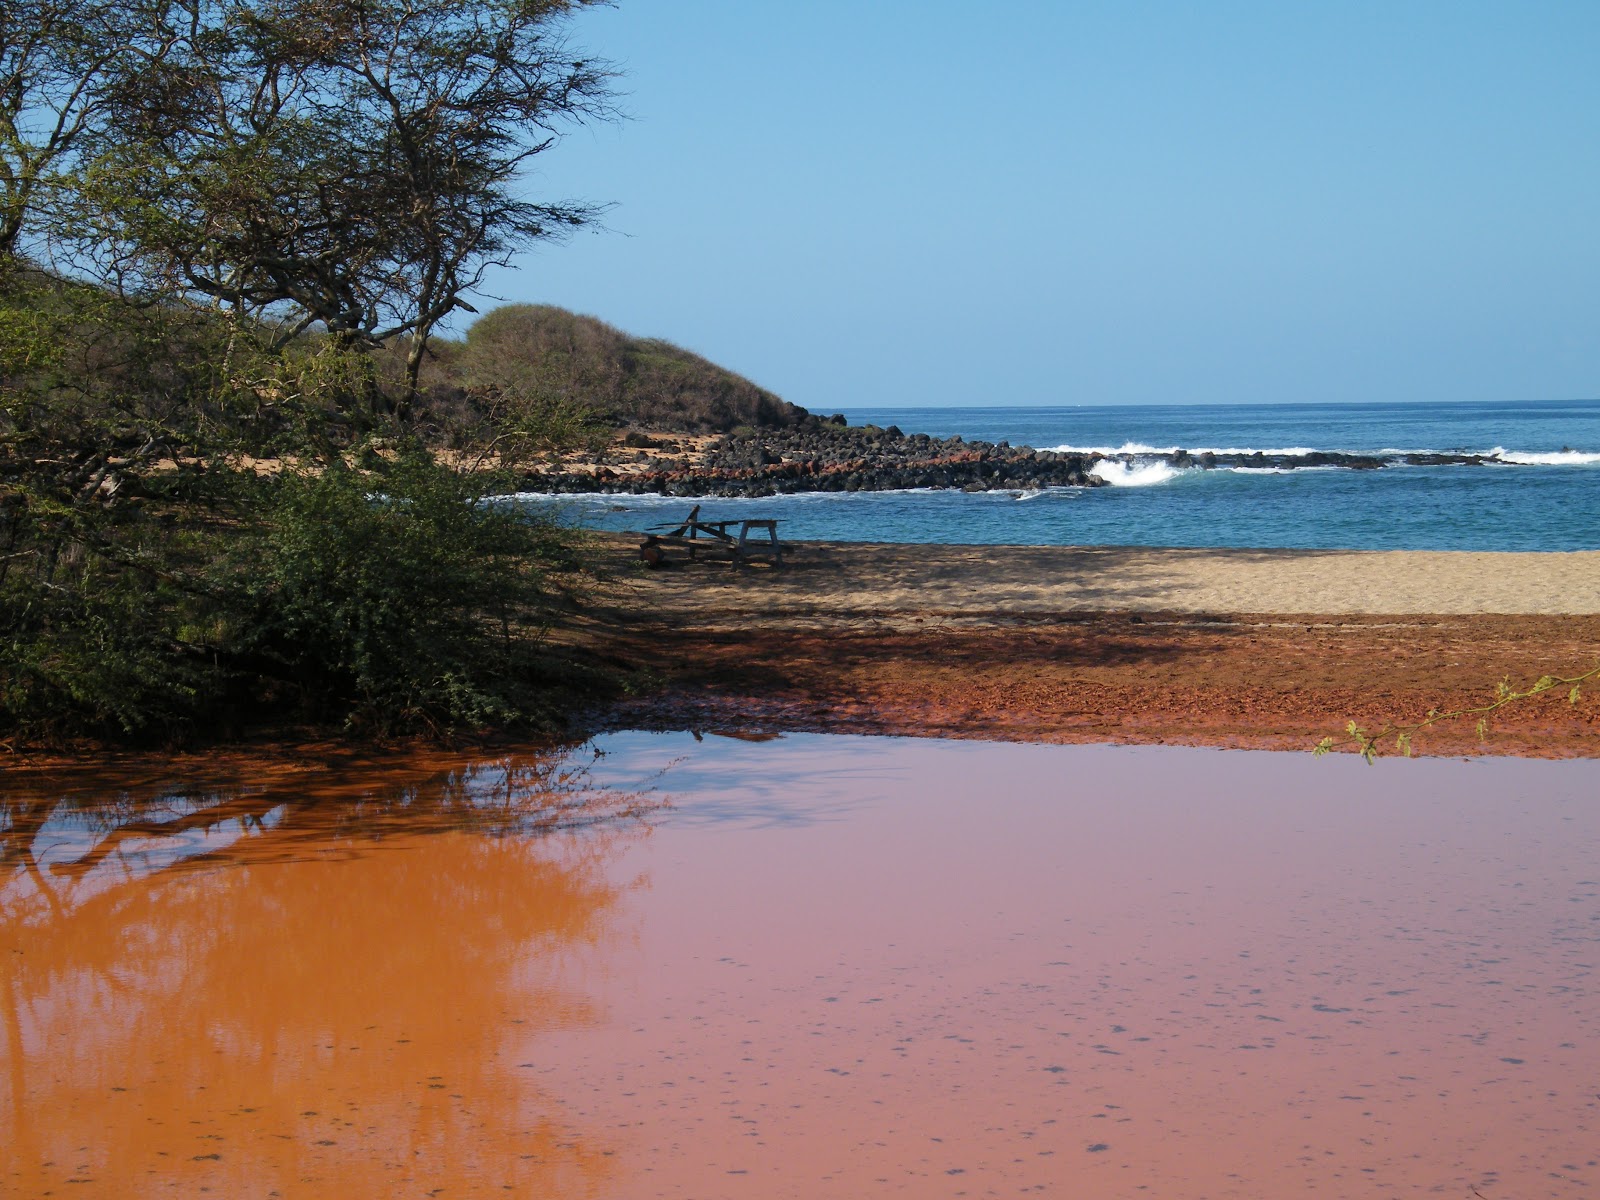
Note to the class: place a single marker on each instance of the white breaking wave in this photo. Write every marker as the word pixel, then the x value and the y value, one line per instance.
pixel 1276 470
pixel 1520 458
pixel 1121 474
pixel 1125 448
pixel 1552 458
pixel 1138 448
pixel 1054 491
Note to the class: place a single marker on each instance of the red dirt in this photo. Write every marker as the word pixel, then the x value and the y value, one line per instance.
pixel 1270 681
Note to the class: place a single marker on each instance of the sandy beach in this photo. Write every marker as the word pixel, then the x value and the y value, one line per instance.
pixel 1268 648
pixel 854 581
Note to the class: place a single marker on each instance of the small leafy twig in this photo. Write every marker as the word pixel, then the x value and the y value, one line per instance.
pixel 1368 743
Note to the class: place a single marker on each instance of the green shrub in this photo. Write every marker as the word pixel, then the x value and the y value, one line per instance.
pixel 155 585
pixel 401 598
pixel 98 658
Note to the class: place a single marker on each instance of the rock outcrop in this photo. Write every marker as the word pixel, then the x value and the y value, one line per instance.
pixel 821 456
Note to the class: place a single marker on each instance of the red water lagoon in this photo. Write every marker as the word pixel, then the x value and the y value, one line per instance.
pixel 803 967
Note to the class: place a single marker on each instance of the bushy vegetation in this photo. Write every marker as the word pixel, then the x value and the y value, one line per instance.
pixel 240 476
pixel 227 231
pixel 185 552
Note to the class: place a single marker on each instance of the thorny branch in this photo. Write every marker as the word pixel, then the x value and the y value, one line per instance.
pixel 1370 743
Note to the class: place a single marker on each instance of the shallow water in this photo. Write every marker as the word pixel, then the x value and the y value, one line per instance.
pixel 833 966
pixel 1409 508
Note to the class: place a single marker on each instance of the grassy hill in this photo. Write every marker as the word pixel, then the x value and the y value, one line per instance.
pixel 551 355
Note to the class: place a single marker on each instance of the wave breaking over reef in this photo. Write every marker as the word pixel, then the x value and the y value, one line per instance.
pixel 1301 457
pixel 822 456
pixel 1140 466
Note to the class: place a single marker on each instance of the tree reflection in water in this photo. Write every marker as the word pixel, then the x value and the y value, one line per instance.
pixel 324 978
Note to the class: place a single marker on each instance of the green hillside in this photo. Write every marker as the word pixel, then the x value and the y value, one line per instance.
pixel 550 355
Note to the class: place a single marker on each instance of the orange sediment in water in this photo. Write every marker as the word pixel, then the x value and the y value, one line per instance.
pixel 835 966
pixel 323 987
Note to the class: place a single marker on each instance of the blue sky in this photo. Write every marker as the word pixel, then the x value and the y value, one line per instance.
pixel 898 203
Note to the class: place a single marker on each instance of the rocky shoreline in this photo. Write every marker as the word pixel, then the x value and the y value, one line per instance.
pixel 814 457
pixel 828 456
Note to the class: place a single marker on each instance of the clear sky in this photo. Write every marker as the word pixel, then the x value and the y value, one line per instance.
pixel 912 202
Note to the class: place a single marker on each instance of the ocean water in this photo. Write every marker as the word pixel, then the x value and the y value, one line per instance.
pixel 1542 493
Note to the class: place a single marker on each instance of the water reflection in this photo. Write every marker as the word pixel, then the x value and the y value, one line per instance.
pixel 748 781
pixel 258 984
pixel 861 967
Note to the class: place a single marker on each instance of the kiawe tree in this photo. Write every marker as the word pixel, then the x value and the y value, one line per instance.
pixel 348 166
pixel 58 59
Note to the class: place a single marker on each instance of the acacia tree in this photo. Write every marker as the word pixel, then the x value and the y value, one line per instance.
pixel 345 165
pixel 57 62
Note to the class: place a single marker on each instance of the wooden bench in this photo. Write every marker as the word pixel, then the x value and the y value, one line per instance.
pixel 696 535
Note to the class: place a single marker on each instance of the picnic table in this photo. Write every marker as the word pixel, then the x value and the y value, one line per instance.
pixel 696 535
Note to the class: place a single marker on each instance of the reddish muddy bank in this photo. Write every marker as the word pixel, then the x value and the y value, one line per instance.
pixel 1258 648
pixel 1268 681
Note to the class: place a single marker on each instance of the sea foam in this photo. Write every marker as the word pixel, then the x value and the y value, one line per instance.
pixel 1138 449
pixel 1121 474
pixel 1551 458
pixel 1125 448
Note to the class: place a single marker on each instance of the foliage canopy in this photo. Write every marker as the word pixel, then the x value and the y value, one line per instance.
pixel 350 166
pixel 214 502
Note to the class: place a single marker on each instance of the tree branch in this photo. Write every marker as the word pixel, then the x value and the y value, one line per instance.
pixel 1370 743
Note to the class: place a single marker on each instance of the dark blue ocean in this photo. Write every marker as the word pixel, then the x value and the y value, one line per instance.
pixel 1543 493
